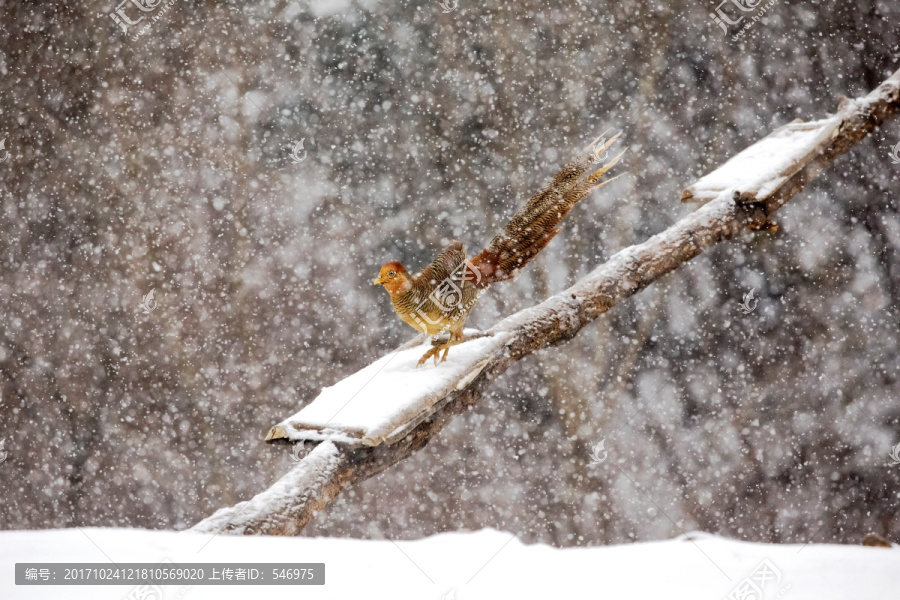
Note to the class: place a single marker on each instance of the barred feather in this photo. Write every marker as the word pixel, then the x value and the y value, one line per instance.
pixel 532 228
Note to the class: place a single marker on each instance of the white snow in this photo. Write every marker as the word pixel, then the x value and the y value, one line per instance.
pixel 445 567
pixel 326 8
pixel 390 394
pixel 281 497
pixel 762 168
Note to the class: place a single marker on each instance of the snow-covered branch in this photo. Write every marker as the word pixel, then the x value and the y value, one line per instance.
pixel 360 426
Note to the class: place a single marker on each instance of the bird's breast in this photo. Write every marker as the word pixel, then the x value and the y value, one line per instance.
pixel 434 309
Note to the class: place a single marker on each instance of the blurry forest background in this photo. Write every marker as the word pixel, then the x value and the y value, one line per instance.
pixel 162 162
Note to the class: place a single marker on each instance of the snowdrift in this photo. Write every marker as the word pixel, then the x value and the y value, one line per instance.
pixel 486 564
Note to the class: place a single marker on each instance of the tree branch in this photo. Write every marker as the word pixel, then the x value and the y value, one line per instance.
pixel 331 466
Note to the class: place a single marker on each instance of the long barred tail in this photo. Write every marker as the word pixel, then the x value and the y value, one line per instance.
pixel 538 222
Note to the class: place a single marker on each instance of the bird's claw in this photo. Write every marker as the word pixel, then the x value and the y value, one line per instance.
pixel 434 352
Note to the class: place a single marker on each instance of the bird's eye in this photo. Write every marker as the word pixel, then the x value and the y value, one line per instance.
pixel 391 273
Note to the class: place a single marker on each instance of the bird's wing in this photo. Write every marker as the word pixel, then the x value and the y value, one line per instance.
pixel 445 264
pixel 532 228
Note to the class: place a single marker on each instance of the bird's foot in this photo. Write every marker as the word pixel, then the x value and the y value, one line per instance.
pixel 438 344
pixel 434 352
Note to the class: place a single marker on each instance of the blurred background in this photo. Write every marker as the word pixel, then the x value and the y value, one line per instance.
pixel 160 160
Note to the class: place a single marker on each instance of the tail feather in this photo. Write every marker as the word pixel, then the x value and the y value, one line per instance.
pixel 532 228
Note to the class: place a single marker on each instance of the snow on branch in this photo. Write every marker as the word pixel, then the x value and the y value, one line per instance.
pixel 359 427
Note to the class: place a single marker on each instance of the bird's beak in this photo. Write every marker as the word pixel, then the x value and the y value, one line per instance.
pixel 377 281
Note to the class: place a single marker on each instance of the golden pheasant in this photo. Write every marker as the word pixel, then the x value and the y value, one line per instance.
pixel 440 297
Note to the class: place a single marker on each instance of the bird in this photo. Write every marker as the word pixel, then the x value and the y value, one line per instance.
pixel 439 298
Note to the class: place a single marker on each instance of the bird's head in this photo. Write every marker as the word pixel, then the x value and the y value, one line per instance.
pixel 393 277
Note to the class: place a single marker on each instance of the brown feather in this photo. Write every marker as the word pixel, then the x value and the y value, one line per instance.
pixel 532 228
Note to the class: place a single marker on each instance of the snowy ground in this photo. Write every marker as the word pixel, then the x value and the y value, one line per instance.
pixel 443 566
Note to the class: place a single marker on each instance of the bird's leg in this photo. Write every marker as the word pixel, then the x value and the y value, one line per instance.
pixel 456 337
pixel 436 345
